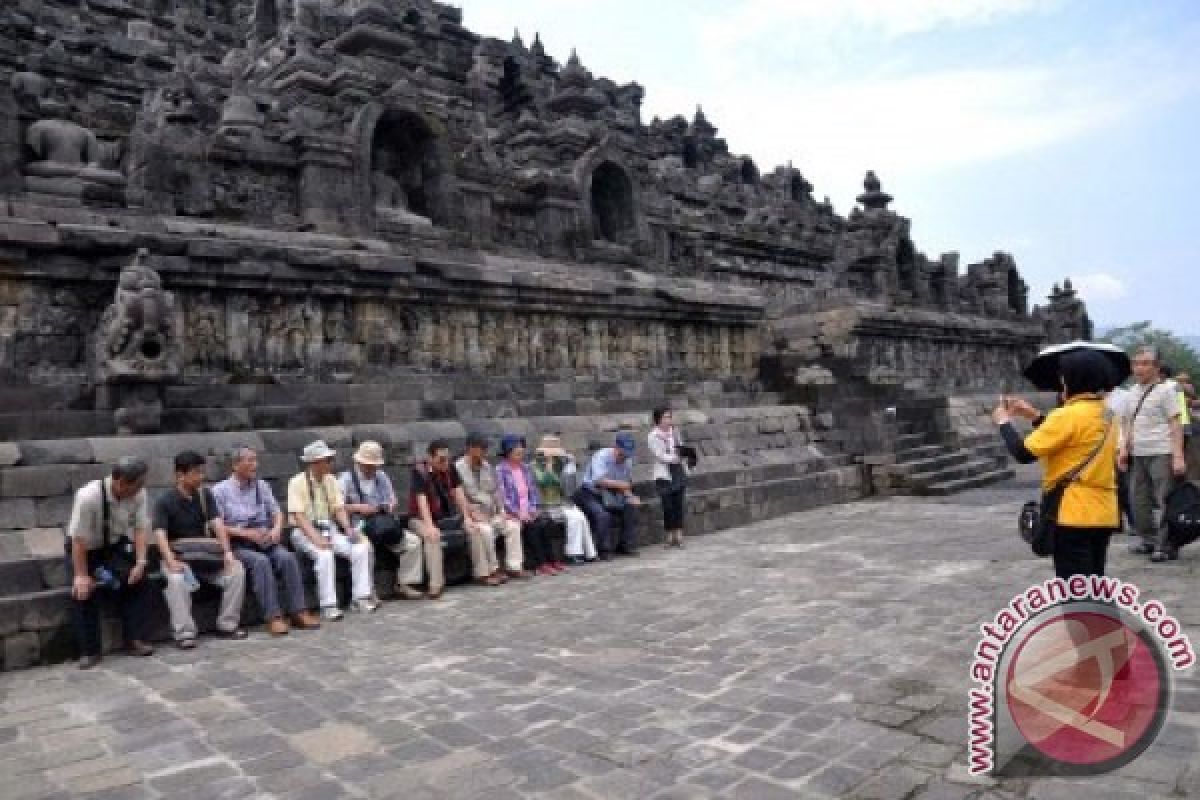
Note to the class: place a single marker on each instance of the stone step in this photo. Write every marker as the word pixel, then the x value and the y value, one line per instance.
pixel 918 453
pixel 908 441
pixel 948 458
pixel 965 469
pixel 964 484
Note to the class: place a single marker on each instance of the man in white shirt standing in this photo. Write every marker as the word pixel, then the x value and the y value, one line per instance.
pixel 1152 452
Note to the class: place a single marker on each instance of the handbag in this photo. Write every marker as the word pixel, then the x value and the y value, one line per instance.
pixel 381 528
pixel 1038 520
pixel 613 501
pixel 690 455
pixel 200 552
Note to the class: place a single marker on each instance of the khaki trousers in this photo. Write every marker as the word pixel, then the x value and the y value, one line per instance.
pixel 482 536
pixel 232 581
pixel 433 557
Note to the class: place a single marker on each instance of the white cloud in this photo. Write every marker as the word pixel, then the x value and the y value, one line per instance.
pixel 748 19
pixel 1100 287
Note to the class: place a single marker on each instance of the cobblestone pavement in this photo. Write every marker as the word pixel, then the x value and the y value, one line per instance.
pixel 820 655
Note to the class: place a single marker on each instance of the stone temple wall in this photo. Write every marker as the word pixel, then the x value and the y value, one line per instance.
pixel 356 190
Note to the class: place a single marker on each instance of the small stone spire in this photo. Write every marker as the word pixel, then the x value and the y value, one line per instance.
pixel 873 198
pixel 538 49
pixel 517 41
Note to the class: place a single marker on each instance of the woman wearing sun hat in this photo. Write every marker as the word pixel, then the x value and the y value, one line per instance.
pixel 557 480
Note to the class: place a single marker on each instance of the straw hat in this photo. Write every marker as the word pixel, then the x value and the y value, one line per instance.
pixel 370 454
pixel 551 447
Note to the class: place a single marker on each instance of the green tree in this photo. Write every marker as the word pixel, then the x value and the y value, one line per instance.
pixel 1173 350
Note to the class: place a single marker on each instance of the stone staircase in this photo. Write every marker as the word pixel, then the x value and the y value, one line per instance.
pixel 926 464
pixel 757 461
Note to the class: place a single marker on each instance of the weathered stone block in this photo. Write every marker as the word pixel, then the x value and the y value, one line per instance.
pixel 21 650
pixel 47 610
pixel 17 513
pixel 56 451
pixel 45 481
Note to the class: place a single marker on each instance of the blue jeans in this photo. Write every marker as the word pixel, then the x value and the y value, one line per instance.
pixel 261 568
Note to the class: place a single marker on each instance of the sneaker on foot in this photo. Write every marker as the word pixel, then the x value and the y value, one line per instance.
pixel 364 606
pixel 332 613
pixel 1141 549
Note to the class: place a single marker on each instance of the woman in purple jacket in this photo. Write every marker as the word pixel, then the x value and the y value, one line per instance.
pixel 543 538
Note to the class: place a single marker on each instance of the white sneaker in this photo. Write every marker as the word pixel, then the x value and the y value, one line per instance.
pixel 364 606
pixel 332 613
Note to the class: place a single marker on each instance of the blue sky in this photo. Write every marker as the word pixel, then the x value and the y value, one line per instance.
pixel 1063 131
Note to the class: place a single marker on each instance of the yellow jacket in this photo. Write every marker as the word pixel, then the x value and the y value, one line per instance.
pixel 1065 438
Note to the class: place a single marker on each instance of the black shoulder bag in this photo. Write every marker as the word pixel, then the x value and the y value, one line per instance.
pixel 381 528
pixel 1038 522
pixel 200 552
pixel 116 556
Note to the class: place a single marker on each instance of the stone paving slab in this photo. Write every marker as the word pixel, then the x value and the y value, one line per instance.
pixel 815 656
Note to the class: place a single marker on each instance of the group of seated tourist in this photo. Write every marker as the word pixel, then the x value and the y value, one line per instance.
pixel 514 519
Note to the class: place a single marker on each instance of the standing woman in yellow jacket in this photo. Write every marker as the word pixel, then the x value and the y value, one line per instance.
pixel 1064 439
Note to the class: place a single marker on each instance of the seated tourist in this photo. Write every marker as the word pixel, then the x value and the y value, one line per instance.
pixel 254 523
pixel 541 535
pixel 189 511
pixel 435 502
pixel 322 530
pixel 607 497
pixel 557 479
pixel 106 558
pixel 485 520
pixel 369 494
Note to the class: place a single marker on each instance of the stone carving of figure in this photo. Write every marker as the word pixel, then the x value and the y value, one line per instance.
pixel 244 337
pixel 136 333
pixel 314 327
pixel 473 351
pixel 390 182
pixel 205 334
pixel 295 336
pixel 488 342
pixel 276 334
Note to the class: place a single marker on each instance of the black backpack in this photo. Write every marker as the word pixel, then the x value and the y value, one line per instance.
pixel 1183 514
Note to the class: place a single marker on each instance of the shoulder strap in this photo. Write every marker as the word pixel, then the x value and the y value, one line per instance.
pixel 204 510
pixel 1142 402
pixel 105 524
pixel 362 498
pixel 1074 474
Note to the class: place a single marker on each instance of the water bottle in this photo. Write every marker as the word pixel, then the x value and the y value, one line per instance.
pixel 189 579
pixel 105 579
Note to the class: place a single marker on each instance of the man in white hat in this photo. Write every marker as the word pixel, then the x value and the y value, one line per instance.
pixel 322 530
pixel 368 492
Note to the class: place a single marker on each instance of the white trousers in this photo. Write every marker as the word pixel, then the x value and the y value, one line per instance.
pixel 579 533
pixel 359 554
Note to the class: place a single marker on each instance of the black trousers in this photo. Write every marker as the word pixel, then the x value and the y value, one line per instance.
pixel 1124 501
pixel 133 606
pixel 612 530
pixel 672 505
pixel 1080 551
pixel 544 541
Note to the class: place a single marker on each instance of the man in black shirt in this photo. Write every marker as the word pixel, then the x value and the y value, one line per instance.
pixel 189 512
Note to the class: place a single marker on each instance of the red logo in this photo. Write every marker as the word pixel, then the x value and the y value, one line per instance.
pixel 1088 691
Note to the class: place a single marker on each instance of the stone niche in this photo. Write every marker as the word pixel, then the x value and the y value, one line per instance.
pixel 409 171
pixel 613 211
